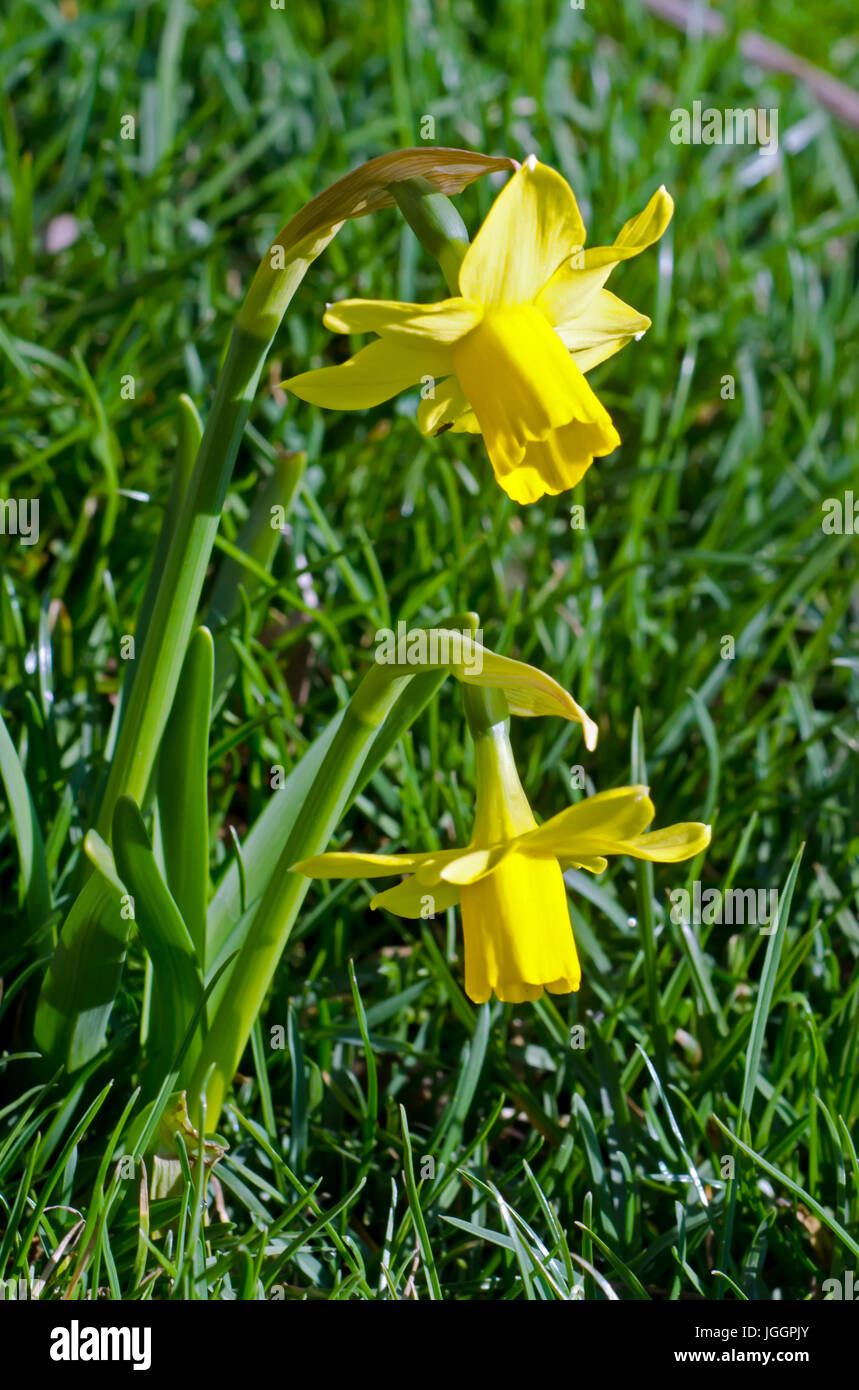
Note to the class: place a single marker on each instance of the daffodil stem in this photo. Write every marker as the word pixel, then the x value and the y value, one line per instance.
pixel 170 605
pixel 436 224
pixel 278 909
pixel 485 706
pixel 501 807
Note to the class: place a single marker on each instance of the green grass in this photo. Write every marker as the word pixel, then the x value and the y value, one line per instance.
pixel 558 1171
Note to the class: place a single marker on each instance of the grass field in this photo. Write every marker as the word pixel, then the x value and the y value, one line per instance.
pixel 403 1142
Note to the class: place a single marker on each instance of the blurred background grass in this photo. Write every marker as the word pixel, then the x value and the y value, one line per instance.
pixel 705 525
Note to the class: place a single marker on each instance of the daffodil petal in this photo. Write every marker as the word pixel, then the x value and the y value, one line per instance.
pixel 588 358
pixel 606 320
pixel 411 898
pixel 576 282
pixel 380 370
pixel 578 278
pixel 439 323
pixel 595 865
pixel 646 227
pixel 672 844
pixel 339 864
pixel 475 863
pixel 593 827
pixel 531 227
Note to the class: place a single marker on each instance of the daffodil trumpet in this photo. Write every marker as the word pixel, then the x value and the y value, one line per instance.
pixel 507 355
pixel 508 880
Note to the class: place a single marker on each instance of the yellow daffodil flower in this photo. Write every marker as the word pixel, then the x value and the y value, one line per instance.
pixel 507 355
pixel 509 879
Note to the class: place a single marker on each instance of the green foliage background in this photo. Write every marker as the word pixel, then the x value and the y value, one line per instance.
pixel 706 525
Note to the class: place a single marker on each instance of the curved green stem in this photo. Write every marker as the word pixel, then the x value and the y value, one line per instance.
pixel 163 638
pixel 435 222
pixel 170 605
